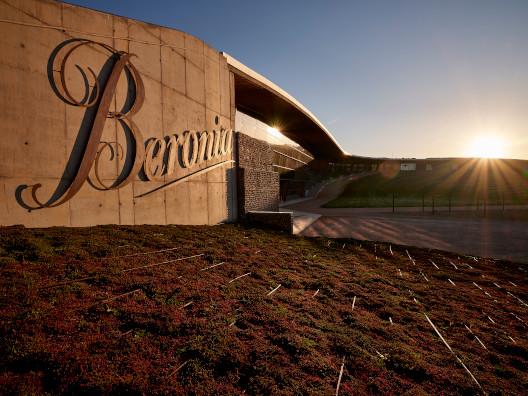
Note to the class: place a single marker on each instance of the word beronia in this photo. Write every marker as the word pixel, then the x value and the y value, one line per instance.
pixel 164 155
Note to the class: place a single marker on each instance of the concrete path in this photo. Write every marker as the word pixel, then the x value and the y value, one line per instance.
pixel 498 236
pixel 305 210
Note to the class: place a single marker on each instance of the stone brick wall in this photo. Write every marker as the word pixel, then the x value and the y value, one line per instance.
pixel 258 190
pixel 258 185
pixel 254 153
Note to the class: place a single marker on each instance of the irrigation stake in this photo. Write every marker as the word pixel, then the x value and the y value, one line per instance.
pixel 340 376
pixel 410 258
pixel 344 244
pixel 450 281
pixel 189 303
pixel 315 294
pixel 116 297
pixel 195 280
pixel 454 354
pixel 511 338
pixel 478 339
pixel 477 286
pixel 491 320
pixel 497 285
pixel 453 264
pixel 353 303
pixel 425 277
pixel 432 262
pixel 274 290
pixel 179 367
pixel 140 254
pixel 164 262
pixel 401 275
pixel 238 277
pixel 66 283
pixel 126 333
pixel 390 320
pixel 390 250
pixel 212 266
pixel 513 284
pixel 518 299
pixel 516 317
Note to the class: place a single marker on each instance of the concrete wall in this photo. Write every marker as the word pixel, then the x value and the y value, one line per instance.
pixel 187 85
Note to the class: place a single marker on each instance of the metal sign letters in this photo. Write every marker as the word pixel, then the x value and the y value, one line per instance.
pixel 156 159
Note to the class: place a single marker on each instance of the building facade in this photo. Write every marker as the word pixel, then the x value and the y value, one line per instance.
pixel 109 120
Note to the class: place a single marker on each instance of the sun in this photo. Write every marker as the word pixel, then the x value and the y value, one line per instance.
pixel 487 146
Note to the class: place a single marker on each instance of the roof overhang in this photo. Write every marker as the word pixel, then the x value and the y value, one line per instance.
pixel 260 98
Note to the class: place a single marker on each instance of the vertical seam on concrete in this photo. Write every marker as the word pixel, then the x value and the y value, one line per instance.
pixel 62 14
pixel 5 195
pixel 219 88
pixel 205 110
pixel 184 66
pixel 65 119
pixel 162 120
pixel 225 187
pixel 115 132
pixel 134 181
pixel 232 116
pixel 188 195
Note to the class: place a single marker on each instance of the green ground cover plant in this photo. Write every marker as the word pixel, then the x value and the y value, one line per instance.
pixel 83 313
pixel 441 187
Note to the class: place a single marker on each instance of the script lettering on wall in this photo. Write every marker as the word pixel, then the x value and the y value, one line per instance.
pixel 156 158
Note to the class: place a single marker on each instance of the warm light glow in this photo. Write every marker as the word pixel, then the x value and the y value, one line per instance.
pixel 489 146
pixel 275 132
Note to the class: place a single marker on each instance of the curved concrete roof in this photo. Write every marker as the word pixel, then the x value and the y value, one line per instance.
pixel 258 97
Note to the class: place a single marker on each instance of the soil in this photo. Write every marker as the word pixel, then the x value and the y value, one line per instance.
pixel 75 319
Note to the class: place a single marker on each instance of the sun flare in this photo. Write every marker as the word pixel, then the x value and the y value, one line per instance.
pixel 488 146
pixel 274 131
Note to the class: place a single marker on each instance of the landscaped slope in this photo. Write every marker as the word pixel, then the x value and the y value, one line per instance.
pixel 478 182
pixel 76 318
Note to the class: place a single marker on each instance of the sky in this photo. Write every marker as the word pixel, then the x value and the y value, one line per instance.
pixel 417 78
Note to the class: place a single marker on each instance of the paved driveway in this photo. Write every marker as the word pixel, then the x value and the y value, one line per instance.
pixel 482 237
pixel 499 236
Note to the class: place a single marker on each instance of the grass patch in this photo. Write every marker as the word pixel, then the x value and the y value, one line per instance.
pixel 470 185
